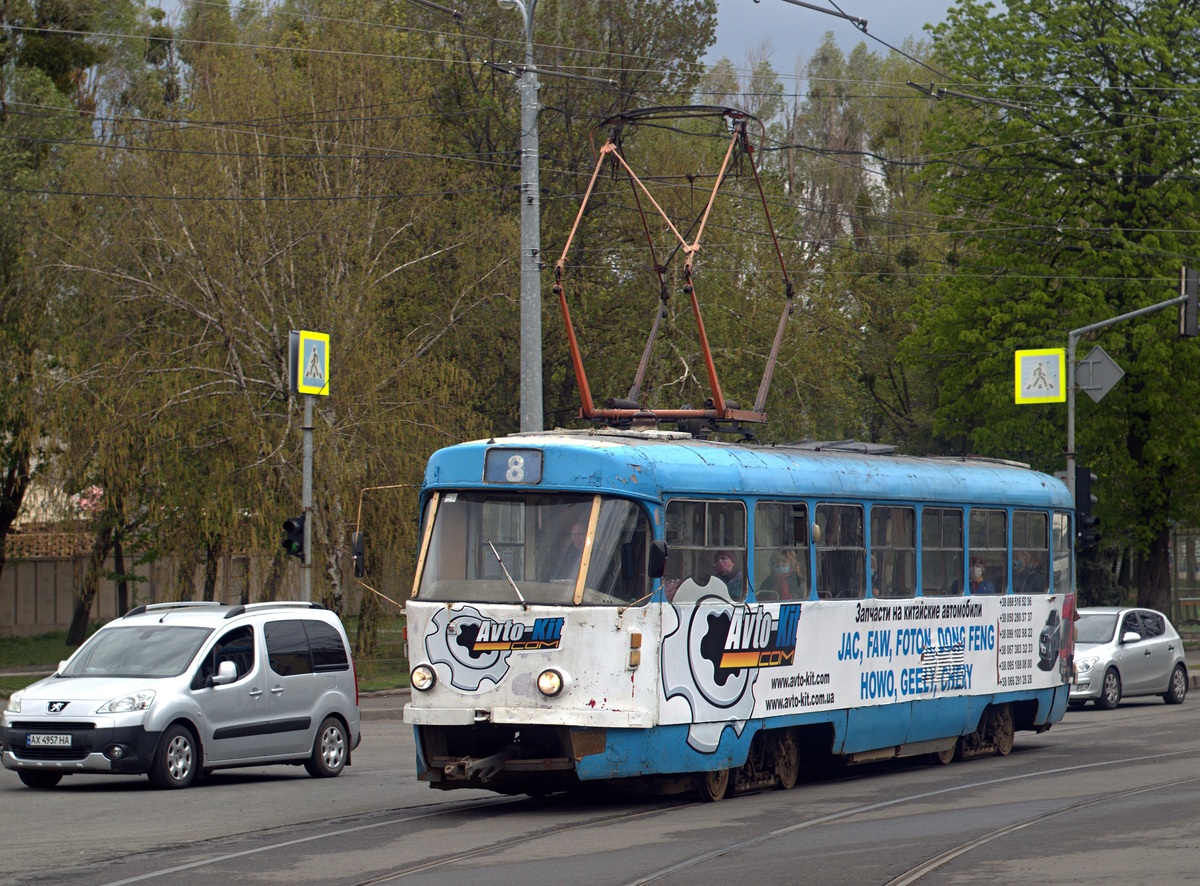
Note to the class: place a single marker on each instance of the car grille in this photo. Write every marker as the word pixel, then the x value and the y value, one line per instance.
pixel 73 753
pixel 81 741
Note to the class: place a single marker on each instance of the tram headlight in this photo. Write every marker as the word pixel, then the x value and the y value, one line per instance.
pixel 552 682
pixel 423 678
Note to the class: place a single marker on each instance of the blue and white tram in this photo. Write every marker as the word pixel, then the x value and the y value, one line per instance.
pixel 727 612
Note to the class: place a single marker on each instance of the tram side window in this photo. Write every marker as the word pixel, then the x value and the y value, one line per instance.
pixel 988 537
pixel 1062 553
pixel 841 552
pixel 941 552
pixel 1031 552
pixel 893 552
pixel 697 533
pixel 781 550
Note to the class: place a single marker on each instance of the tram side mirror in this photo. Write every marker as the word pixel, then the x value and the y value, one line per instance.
pixel 358 545
pixel 658 558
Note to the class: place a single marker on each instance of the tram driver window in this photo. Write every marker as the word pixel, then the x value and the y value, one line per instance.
pixel 988 537
pixel 841 552
pixel 941 552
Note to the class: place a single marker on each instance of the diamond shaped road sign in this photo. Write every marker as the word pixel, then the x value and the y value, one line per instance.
pixel 1097 373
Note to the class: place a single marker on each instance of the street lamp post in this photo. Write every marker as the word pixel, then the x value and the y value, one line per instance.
pixel 531 295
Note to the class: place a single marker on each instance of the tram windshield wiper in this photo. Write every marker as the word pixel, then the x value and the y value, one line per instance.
pixel 507 575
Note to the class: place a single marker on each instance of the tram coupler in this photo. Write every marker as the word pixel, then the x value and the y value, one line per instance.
pixel 485 768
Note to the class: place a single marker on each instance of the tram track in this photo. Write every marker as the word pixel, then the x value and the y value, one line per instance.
pixel 489 807
pixel 916 873
pixel 405 817
pixel 919 872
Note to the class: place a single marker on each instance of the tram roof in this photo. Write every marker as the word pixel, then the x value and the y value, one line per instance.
pixel 647 463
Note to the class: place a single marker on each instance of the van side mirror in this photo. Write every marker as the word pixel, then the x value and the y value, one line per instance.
pixel 358 545
pixel 226 673
pixel 658 558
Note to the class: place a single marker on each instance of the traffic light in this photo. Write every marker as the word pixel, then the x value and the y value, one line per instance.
pixel 293 536
pixel 1086 523
pixel 1189 325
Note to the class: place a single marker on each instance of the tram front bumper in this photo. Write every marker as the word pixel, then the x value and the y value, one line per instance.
pixel 429 716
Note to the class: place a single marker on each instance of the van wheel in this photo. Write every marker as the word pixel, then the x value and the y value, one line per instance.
pixel 177 760
pixel 37 778
pixel 329 750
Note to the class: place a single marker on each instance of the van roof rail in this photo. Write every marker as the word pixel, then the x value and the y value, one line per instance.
pixel 178 604
pixel 277 604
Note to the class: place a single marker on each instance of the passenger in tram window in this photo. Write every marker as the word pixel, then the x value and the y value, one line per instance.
pixel 1029 572
pixel 726 568
pixel 979 584
pixel 785 581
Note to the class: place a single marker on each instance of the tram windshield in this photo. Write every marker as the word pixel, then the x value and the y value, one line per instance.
pixel 505 547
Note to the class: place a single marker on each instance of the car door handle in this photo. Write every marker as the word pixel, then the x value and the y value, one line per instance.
pixel 255 693
pixel 1147 652
pixel 277 690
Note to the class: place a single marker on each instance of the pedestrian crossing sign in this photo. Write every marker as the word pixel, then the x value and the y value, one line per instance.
pixel 312 364
pixel 1041 376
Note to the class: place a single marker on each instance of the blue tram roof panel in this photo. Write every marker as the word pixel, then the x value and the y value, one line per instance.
pixel 647 463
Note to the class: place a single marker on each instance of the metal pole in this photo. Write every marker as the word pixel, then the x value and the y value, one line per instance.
pixel 531 295
pixel 306 501
pixel 1072 342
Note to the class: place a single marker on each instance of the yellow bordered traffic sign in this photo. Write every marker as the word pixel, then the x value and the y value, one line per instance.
pixel 312 363
pixel 1041 376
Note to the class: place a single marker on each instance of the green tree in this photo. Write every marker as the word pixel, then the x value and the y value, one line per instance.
pixel 1071 199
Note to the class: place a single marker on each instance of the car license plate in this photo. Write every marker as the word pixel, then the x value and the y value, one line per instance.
pixel 44 740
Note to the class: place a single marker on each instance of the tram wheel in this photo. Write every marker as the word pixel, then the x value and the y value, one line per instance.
pixel 1002 729
pixel 946 757
pixel 787 761
pixel 711 786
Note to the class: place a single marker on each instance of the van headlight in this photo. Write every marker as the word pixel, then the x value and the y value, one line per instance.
pixel 14 702
pixel 137 701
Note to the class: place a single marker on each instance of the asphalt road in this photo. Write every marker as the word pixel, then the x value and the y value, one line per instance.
pixel 1104 797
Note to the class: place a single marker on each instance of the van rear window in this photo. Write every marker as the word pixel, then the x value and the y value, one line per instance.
pixel 328 651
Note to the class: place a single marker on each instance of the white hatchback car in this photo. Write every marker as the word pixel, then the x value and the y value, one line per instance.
pixel 175 690
pixel 1120 653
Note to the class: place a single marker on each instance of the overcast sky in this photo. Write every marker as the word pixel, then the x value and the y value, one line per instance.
pixel 794 32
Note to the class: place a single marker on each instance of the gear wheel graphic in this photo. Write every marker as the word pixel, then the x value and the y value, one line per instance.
pixel 448 642
pixel 690 657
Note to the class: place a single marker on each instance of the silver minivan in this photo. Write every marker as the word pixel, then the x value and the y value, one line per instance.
pixel 176 690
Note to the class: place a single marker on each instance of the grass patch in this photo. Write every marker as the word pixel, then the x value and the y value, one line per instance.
pixel 45 649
